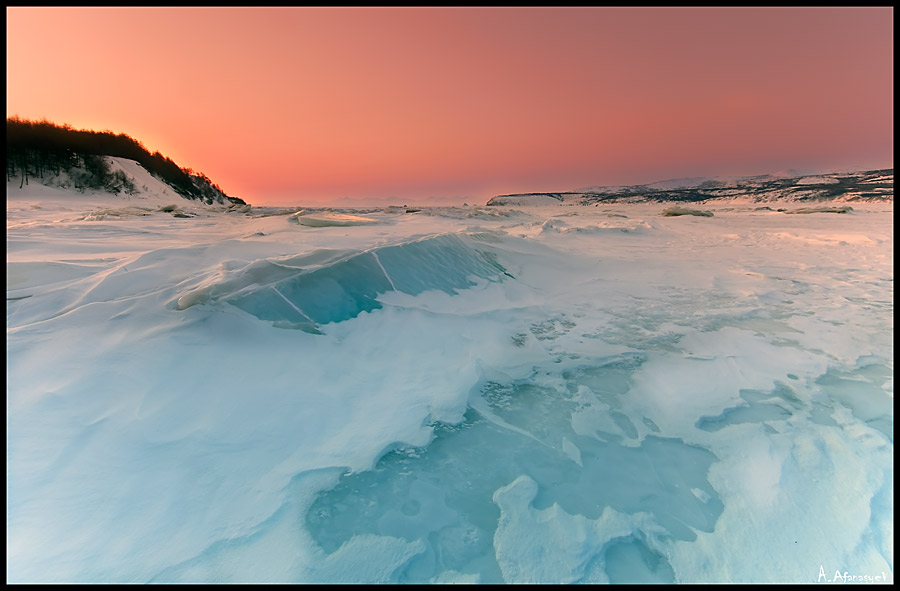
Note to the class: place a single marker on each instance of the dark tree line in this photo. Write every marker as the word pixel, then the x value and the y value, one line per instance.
pixel 38 148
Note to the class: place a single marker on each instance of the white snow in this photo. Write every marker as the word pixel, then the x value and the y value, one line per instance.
pixel 452 395
pixel 325 219
pixel 527 200
pixel 817 180
pixel 688 183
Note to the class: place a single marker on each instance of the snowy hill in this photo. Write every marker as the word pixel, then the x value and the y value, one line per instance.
pixel 874 185
pixel 146 194
pixel 61 157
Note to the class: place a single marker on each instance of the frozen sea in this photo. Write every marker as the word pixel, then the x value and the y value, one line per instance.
pixel 449 395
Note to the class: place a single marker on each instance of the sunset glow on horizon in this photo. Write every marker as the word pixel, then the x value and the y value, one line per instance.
pixel 295 105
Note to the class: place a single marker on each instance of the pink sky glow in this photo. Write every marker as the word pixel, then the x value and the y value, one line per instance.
pixel 303 105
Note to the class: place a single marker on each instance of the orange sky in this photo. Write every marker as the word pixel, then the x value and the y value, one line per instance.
pixel 307 105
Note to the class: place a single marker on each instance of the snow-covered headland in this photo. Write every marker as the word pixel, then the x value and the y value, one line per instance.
pixel 841 187
pixel 529 394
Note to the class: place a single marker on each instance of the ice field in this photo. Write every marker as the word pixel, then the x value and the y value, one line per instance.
pixel 454 394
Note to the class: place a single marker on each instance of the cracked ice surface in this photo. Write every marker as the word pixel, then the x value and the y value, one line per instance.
pixel 474 395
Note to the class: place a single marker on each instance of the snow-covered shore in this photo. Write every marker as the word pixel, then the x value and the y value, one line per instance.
pixel 579 394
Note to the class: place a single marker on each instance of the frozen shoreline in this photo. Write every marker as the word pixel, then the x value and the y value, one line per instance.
pixel 152 442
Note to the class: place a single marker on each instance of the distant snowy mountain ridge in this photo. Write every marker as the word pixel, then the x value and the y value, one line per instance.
pixel 872 185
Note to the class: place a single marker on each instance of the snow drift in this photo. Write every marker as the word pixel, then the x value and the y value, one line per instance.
pixel 603 394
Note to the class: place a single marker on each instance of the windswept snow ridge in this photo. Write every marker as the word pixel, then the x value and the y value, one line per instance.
pixel 305 293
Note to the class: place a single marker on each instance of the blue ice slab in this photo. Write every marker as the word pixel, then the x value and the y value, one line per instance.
pixel 444 262
pixel 752 413
pixel 630 561
pixel 867 391
pixel 268 304
pixel 345 288
pixel 339 291
pixel 442 494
